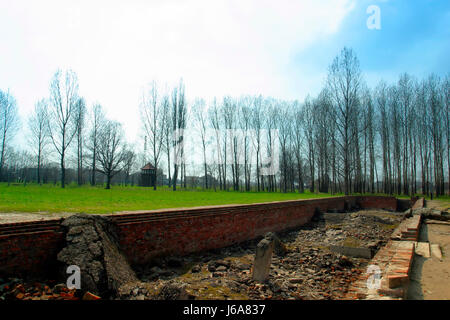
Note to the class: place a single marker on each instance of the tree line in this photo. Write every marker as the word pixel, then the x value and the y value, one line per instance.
pixel 392 139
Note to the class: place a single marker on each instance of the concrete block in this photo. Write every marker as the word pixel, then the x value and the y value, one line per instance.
pixel 263 258
pixel 436 251
pixel 395 281
pixel 423 249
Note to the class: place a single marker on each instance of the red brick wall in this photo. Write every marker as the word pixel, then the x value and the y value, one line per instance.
pixel 378 202
pixel 147 235
pixel 31 247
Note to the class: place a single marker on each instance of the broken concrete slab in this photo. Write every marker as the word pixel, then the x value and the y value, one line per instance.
pixel 430 213
pixel 422 249
pixel 436 251
pixel 353 251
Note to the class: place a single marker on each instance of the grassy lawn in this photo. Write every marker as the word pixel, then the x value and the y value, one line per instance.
pixel 53 199
pixel 50 198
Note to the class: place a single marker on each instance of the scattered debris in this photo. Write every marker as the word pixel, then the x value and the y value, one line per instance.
pixel 90 296
pixel 353 251
pixel 303 266
pixel 173 291
pixel 20 289
pixel 306 269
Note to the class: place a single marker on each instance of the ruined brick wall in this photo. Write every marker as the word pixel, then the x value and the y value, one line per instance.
pixel 31 247
pixel 144 236
pixel 378 202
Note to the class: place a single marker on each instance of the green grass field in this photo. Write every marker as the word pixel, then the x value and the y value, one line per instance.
pixel 50 198
pixel 87 199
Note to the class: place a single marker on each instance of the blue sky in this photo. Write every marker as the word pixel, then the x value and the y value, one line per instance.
pixel 414 38
pixel 275 48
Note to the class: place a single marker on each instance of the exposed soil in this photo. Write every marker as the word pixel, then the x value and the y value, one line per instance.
pixel 436 273
pixel 441 205
pixel 431 277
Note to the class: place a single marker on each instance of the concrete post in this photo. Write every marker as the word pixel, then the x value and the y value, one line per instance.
pixel 263 257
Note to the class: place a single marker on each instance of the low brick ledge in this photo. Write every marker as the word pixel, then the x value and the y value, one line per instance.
pixel 163 214
pixel 30 226
pixel 30 246
pixel 394 260
pixel 148 215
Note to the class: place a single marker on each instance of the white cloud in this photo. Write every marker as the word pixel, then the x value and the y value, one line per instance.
pixel 116 47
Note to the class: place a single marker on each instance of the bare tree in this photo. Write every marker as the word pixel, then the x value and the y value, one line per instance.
pixel 61 121
pixel 446 97
pixel 37 123
pixel 178 125
pixel 80 115
pixel 369 142
pixel 216 123
pixel 97 118
pixel 111 152
pixel 256 123
pixel 229 114
pixel 9 123
pixel 344 81
pixel 153 117
pixel 435 105
pixel 283 123
pixel 309 124
pixel 128 164
pixel 245 124
pixel 199 112
pixel 405 95
pixel 167 132
pixel 270 124
pixel 381 102
pixel 298 139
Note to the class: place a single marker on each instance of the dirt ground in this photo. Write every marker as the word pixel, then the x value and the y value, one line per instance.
pixel 430 279
pixel 434 275
pixel 438 205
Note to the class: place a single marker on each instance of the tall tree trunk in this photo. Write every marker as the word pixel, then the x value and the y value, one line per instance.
pixel 108 181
